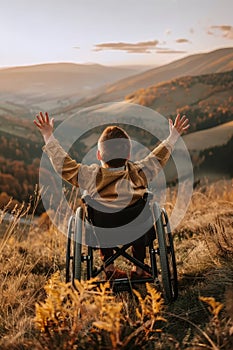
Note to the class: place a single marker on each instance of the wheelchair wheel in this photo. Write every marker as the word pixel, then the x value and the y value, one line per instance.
pixel 77 254
pixel 171 256
pixel 166 254
pixel 69 258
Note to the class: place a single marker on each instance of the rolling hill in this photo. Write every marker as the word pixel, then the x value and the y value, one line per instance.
pixel 206 99
pixel 211 152
pixel 209 138
pixel 220 60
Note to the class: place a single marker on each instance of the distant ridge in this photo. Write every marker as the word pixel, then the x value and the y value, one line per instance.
pixel 57 80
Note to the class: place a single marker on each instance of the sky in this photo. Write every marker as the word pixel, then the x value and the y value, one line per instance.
pixel 111 32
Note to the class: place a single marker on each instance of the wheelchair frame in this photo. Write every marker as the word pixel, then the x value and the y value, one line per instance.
pixel 162 256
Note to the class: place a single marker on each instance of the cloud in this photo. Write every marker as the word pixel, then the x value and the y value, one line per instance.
pixel 224 27
pixel 140 47
pixel 182 40
pixel 226 31
pixel 170 51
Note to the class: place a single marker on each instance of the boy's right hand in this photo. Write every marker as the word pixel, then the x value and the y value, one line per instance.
pixel 45 125
pixel 180 125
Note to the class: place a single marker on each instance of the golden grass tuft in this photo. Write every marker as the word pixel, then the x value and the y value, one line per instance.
pixel 74 317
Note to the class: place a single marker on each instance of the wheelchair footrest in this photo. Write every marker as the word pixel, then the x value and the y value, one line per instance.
pixel 126 281
pixel 126 285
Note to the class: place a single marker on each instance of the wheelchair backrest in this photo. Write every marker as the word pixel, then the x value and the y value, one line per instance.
pixel 127 224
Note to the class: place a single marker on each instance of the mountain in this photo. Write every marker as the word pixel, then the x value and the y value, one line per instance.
pixel 206 99
pixel 57 81
pixel 220 60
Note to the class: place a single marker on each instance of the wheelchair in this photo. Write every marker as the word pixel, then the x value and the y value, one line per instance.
pixel 82 240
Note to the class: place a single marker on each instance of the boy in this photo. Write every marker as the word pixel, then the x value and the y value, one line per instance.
pixel 102 182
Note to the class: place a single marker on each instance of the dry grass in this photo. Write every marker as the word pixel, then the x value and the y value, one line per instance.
pixel 96 319
pixel 93 318
pixel 28 257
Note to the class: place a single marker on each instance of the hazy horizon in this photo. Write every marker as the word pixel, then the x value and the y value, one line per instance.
pixel 148 33
pixel 117 65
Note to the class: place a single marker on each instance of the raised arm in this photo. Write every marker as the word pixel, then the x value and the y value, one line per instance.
pixel 66 167
pixel 159 156
pixel 163 151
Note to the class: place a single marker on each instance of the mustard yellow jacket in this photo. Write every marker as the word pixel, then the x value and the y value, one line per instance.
pixel 116 187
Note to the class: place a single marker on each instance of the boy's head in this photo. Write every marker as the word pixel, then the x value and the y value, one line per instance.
pixel 114 147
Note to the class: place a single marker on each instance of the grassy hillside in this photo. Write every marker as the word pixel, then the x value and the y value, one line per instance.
pixel 206 99
pixel 58 317
pixel 212 62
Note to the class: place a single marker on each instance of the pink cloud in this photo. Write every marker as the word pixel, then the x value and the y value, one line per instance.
pixel 140 47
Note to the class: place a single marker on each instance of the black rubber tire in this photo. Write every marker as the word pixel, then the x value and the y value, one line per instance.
pixel 163 254
pixel 171 257
pixel 77 257
pixel 69 248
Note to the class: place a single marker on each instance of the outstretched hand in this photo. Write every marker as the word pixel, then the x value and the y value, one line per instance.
pixel 181 124
pixel 45 125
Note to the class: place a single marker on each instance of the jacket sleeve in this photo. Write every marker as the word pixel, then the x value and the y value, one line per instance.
pixel 66 167
pixel 156 160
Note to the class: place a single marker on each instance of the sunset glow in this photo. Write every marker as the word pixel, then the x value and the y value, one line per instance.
pixel 112 32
